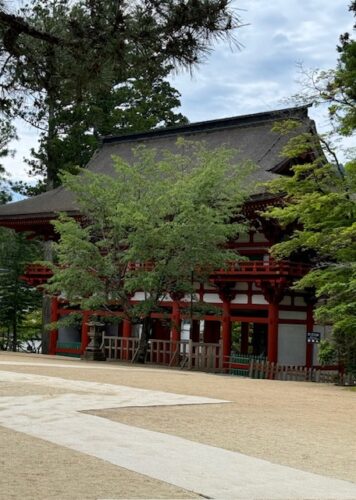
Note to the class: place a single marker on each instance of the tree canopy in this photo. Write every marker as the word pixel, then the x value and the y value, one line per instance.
pixel 17 299
pixel 335 87
pixel 319 209
pixel 158 227
pixel 78 70
pixel 320 205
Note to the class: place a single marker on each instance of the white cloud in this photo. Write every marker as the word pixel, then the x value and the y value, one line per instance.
pixel 280 34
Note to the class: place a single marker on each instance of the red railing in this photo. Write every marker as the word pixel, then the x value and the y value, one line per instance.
pixel 138 266
pixel 253 267
pixel 247 267
pixel 37 274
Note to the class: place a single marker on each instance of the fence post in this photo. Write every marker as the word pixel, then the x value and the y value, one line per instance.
pixel 190 354
pixel 263 365
pixel 250 371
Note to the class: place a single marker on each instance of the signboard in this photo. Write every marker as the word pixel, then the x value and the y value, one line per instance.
pixel 313 337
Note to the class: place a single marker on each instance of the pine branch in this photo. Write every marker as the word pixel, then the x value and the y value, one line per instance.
pixel 18 25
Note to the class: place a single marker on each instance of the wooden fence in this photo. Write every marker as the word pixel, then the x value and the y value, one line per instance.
pixel 205 357
pixel 183 354
pixel 208 357
pixel 119 348
pixel 263 369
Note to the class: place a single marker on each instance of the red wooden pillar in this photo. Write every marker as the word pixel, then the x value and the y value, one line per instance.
pixel 226 332
pixel 85 336
pixel 226 295
pixel 244 338
pixel 175 327
pixel 126 333
pixel 126 328
pixel 53 334
pixel 176 319
pixel 310 326
pixel 274 293
pixel 272 342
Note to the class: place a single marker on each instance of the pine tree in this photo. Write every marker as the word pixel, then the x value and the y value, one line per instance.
pixel 77 70
pixel 17 298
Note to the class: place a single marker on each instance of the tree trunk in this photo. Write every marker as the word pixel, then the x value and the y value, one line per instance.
pixel 52 134
pixel 51 166
pixel 14 334
pixel 46 302
pixel 140 356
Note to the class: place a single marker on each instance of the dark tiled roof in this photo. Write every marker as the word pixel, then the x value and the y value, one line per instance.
pixel 251 135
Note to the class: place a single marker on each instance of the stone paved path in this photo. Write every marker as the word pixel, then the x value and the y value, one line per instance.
pixel 209 471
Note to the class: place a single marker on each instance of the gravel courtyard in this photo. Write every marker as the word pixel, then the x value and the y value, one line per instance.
pixel 306 426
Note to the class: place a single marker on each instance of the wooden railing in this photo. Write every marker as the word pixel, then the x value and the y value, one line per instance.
pixel 250 366
pixel 205 357
pixel 37 274
pixel 282 267
pixel 165 352
pixel 119 348
pixel 183 354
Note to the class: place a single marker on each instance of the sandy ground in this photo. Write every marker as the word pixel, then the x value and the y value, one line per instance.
pixel 68 474
pixel 307 426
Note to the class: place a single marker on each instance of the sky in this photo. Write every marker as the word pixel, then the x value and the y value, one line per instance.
pixel 278 36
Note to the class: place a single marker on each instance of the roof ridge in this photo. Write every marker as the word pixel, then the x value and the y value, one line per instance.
pixel 239 120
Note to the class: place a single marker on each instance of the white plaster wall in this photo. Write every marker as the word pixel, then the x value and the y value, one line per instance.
pixel 255 287
pixel 188 298
pixel 241 298
pixel 139 296
pixel 258 299
pixel 292 315
pixel 212 298
pixel 325 332
pixel 136 330
pixel 185 330
pixel 291 344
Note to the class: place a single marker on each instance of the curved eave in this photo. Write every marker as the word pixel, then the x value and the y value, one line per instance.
pixel 38 223
pixel 42 223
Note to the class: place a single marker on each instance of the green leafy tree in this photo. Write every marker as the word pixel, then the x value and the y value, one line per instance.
pixel 319 204
pixel 320 207
pixel 335 87
pixel 30 330
pixel 342 89
pixel 78 70
pixel 159 225
pixel 17 299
